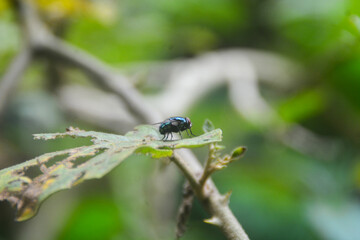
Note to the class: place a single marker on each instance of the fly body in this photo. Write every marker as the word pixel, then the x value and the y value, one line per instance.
pixel 175 124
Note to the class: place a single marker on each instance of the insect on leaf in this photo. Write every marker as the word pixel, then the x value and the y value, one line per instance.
pixel 106 152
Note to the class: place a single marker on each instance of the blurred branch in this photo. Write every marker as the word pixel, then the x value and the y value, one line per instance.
pixel 43 43
pixel 88 104
pixel 12 77
pixel 242 70
pixel 46 44
pixel 184 210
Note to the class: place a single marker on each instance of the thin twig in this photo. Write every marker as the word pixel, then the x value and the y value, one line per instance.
pixel 207 169
pixel 184 210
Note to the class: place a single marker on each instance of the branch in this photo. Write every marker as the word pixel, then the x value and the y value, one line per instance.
pixel 184 210
pixel 103 76
pixel 43 42
pixel 215 203
pixel 12 76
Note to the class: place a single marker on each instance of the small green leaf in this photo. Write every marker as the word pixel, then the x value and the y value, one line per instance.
pixel 354 24
pixel 208 126
pixel 107 152
pixel 238 152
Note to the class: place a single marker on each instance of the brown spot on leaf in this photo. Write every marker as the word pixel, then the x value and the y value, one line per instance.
pixel 27 208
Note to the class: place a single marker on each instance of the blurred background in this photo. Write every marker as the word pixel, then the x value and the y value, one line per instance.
pixel 281 77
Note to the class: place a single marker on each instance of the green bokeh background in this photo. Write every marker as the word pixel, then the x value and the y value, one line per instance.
pixel 278 192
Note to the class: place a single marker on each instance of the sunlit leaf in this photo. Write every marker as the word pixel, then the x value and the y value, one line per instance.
pixel 354 22
pixel 27 184
pixel 3 5
pixel 61 9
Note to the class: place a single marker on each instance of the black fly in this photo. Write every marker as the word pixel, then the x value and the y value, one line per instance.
pixel 175 124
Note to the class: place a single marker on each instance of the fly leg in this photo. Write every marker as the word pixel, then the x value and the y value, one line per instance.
pixel 179 132
pixel 191 132
pixel 165 135
pixel 171 136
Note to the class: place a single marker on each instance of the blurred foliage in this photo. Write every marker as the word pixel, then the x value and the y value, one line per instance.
pixel 94 219
pixel 160 29
pixel 302 106
pixel 10 35
pixel 278 193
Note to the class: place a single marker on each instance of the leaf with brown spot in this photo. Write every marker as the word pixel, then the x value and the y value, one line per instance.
pixel 106 152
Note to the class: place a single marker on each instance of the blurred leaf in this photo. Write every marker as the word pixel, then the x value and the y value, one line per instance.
pixel 208 126
pixel 199 25
pixel 219 15
pixel 27 184
pixel 309 28
pixel 194 39
pixel 354 6
pixel 9 35
pixel 356 173
pixel 354 24
pixel 61 9
pixel 338 221
pixel 129 40
pixel 302 106
pixel 345 79
pixel 290 10
pixel 94 218
pixel 4 5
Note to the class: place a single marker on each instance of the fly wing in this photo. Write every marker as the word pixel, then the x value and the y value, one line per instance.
pixel 174 122
pixel 165 121
pixel 157 123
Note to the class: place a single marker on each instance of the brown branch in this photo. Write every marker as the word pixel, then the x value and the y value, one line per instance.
pixel 43 43
pixel 103 76
pixel 184 210
pixel 215 203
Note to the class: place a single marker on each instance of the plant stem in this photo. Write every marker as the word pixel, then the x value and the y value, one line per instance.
pixel 215 203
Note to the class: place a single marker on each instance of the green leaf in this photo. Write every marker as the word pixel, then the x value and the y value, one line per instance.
pixel 238 152
pixel 27 192
pixel 208 126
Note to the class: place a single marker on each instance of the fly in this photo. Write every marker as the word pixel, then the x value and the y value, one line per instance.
pixel 175 124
